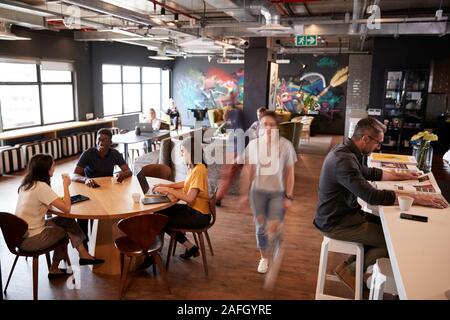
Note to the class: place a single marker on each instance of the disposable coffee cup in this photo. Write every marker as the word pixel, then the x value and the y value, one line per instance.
pixel 63 175
pixel 405 202
pixel 136 197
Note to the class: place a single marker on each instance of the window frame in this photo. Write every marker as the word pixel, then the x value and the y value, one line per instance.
pixel 141 84
pixel 39 84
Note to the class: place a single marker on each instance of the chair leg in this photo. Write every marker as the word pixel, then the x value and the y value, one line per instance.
pixel 157 260
pixel 123 280
pixel 10 273
pixel 195 238
pixel 174 248
pixel 209 242
pixel 171 245
pixel 35 277
pixel 154 266
pixel 202 247
pixel 47 257
pixel 1 283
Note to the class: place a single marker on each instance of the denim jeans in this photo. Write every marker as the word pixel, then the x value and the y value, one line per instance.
pixel 267 206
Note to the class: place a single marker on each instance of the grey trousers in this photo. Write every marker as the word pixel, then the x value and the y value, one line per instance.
pixel 369 233
pixel 56 229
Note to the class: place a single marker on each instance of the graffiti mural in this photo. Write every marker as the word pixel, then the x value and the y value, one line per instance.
pixel 213 89
pixel 317 89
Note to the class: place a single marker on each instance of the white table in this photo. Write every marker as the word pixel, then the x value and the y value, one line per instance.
pixel 419 252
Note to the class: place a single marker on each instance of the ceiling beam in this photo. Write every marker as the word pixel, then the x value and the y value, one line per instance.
pixel 22 19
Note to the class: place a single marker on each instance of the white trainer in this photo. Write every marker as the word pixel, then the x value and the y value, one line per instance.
pixel 263 265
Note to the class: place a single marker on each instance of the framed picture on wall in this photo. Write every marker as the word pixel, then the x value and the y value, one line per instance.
pixel 273 82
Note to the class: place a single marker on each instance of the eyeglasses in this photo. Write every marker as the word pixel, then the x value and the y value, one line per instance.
pixel 378 142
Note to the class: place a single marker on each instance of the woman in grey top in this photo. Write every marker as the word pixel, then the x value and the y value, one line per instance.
pixel 268 182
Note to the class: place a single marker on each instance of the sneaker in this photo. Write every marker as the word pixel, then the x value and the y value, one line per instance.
pixel 263 265
pixel 275 266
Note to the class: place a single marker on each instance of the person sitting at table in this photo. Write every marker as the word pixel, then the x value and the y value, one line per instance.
pixel 150 117
pixel 99 162
pixel 173 113
pixel 35 198
pixel 253 130
pixel 343 179
pixel 195 214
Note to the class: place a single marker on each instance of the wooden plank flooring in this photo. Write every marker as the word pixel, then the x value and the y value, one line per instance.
pixel 232 270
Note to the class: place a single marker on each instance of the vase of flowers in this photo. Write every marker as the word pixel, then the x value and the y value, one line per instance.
pixel 422 149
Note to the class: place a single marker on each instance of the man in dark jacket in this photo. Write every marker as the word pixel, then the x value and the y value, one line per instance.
pixel 343 179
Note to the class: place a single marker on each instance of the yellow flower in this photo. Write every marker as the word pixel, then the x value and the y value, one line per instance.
pixel 418 136
pixel 425 135
pixel 430 136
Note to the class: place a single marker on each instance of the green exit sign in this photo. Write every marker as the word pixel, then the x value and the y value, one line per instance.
pixel 305 41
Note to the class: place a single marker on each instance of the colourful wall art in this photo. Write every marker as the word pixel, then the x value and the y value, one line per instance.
pixel 210 89
pixel 315 86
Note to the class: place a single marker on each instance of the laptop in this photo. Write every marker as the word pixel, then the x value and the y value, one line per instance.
pixel 145 127
pixel 149 196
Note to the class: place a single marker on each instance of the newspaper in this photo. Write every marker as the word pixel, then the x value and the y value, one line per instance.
pixel 424 184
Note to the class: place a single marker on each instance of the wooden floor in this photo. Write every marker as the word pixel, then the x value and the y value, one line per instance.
pixel 232 270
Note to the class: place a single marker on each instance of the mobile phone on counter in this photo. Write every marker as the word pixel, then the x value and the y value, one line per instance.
pixel 414 217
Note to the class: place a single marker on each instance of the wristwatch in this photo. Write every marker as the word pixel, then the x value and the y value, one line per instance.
pixel 289 197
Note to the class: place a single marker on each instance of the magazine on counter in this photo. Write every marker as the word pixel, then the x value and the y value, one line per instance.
pixel 397 167
pixel 392 158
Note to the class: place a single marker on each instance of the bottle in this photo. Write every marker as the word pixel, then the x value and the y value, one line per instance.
pixel 137 131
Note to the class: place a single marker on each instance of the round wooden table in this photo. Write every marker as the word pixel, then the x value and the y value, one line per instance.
pixel 107 205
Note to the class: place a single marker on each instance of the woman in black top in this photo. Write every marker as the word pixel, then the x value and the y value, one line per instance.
pixel 173 113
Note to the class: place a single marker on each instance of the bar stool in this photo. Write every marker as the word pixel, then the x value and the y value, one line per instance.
pixel 382 280
pixel 339 246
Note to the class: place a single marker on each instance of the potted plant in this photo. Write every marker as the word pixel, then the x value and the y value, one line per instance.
pixel 422 149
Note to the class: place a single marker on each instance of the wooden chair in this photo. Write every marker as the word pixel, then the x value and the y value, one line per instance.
pixel 197 234
pixel 13 229
pixel 161 171
pixel 143 238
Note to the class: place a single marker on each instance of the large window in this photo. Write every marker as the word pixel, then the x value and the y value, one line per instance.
pixel 130 89
pixel 33 95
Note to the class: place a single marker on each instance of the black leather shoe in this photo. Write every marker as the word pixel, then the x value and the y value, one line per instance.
pixel 95 261
pixel 193 252
pixel 63 273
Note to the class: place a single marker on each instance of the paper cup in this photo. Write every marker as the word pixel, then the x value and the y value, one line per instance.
pixel 136 197
pixel 114 180
pixel 405 202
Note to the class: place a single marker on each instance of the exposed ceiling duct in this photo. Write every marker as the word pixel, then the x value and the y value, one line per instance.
pixel 234 9
pixel 272 23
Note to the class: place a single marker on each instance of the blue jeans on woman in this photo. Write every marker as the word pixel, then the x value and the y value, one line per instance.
pixel 267 206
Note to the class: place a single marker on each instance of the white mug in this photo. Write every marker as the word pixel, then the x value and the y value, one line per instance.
pixel 115 178
pixel 136 197
pixel 405 202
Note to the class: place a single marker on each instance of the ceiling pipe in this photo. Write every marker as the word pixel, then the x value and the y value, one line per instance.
pixel 353 28
pixel 172 9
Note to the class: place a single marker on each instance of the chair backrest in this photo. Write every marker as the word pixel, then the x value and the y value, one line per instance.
pixel 161 171
pixel 298 126
pixel 143 229
pixel 164 126
pixel 13 229
pixel 287 130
